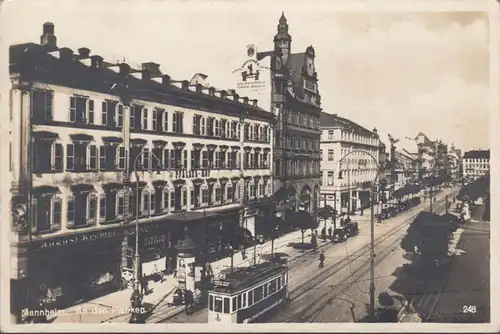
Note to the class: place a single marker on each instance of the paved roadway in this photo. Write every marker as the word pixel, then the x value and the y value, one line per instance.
pixel 337 292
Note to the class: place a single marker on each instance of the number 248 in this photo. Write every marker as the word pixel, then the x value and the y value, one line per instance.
pixel 469 309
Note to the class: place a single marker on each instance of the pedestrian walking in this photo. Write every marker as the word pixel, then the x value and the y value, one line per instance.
pixel 330 231
pixel 175 273
pixel 188 300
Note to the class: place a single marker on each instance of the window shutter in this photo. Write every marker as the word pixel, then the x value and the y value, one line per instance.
pixel 166 159
pixel 92 209
pixel 93 156
pixel 70 156
pixel 119 121
pixel 155 119
pixel 102 207
pixel 145 159
pixel 121 157
pixel 71 212
pixel 57 207
pixel 165 122
pixel 48 109
pixel 91 111
pixel 102 157
pixel 164 204
pixel 104 117
pixel 34 215
pixel 72 109
pixel 132 117
pixel 145 119
pixel 58 157
pixel 152 203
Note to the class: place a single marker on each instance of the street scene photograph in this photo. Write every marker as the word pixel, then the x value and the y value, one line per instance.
pixel 219 163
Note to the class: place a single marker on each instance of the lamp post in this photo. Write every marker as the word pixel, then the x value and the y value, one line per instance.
pixel 136 298
pixel 372 229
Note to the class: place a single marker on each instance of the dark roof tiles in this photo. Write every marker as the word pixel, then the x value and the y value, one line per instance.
pixel 333 120
pixel 477 154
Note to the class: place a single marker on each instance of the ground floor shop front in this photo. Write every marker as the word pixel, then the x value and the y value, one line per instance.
pixel 67 270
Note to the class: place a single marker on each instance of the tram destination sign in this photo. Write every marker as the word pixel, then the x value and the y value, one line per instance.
pixel 221 283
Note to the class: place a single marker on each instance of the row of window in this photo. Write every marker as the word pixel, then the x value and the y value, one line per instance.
pixel 85 209
pixel 246 299
pixel 349 136
pixel 355 176
pixel 303 168
pixel 82 110
pixel 302 119
pixel 84 156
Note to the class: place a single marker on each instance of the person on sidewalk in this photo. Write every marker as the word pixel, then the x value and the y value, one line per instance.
pixel 323 234
pixel 330 231
pixel 188 300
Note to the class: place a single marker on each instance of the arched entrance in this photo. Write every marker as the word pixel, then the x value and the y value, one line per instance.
pixel 305 199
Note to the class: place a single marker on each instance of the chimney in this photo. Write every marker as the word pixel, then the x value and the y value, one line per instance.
pixel 231 92
pixel 375 131
pixel 223 94
pixel 198 88
pixel 185 85
pixel 66 54
pixel 255 102
pixel 124 69
pixel 165 79
pixel 245 100
pixel 96 61
pixel 211 91
pixel 151 67
pixel 48 37
pixel 84 52
pixel 235 97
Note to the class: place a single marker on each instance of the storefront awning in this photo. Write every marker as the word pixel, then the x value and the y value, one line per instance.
pixel 235 148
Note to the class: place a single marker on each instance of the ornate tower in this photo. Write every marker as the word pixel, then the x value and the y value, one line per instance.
pixel 283 40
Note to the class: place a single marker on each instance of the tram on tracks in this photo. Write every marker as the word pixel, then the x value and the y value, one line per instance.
pixel 248 294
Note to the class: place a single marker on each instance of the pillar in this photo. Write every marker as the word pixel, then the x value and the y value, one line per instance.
pixel 186 271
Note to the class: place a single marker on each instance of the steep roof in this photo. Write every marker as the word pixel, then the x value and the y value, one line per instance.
pixel 36 63
pixel 427 141
pixel 333 120
pixel 477 154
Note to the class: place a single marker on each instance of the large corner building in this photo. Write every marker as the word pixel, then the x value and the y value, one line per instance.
pixel 287 83
pixel 98 130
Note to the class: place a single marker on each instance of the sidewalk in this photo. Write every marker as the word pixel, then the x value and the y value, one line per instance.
pixel 113 308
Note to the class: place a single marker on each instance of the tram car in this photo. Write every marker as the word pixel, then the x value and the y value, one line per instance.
pixel 248 294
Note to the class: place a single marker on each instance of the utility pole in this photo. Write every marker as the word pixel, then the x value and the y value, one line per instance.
pixel 372 255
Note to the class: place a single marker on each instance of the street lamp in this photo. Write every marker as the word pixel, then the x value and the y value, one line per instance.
pixel 372 228
pixel 136 298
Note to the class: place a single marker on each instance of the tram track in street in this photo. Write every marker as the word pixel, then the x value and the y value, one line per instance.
pixel 339 265
pixel 335 268
pixel 317 306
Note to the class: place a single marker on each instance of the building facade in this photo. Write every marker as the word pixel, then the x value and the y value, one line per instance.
pixel 406 162
pixel 347 167
pixel 287 84
pixel 476 163
pixel 112 145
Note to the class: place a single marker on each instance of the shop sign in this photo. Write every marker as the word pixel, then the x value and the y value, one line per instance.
pixel 78 238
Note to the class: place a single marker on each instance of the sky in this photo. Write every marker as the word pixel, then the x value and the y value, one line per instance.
pixel 385 66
